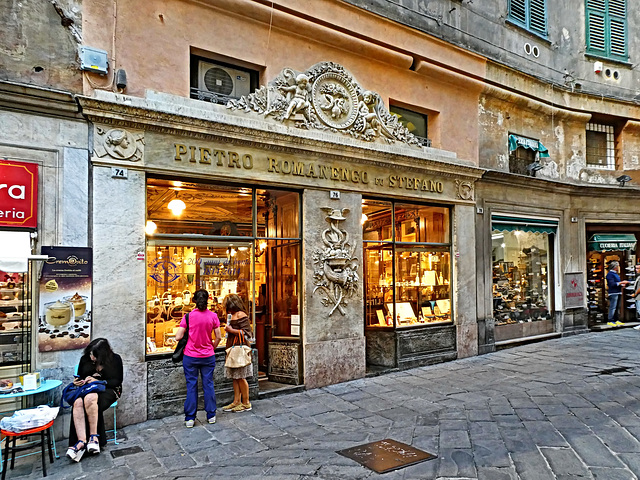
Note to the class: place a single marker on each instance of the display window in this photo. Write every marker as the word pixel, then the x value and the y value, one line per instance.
pixel 522 258
pixel 407 264
pixel 239 240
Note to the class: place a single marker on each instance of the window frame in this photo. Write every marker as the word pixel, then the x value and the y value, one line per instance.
pixel 611 39
pixel 197 94
pixel 529 16
pixel 610 132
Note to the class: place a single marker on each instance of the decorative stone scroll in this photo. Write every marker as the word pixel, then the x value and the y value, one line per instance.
pixel 119 143
pixel 336 269
pixel 326 97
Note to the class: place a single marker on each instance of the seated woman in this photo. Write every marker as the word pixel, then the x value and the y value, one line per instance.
pixel 87 433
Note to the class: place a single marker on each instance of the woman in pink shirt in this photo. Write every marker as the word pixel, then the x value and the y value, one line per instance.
pixel 199 357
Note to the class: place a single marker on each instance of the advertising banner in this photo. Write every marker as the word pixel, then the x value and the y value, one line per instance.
pixel 574 290
pixel 18 194
pixel 65 299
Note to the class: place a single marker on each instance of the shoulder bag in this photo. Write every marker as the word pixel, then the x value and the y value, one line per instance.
pixel 178 353
pixel 72 392
pixel 238 356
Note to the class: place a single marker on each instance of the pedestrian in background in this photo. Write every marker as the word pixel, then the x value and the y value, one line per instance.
pixel 238 328
pixel 200 357
pixel 636 290
pixel 614 286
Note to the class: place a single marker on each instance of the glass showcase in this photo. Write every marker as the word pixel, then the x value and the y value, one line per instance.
pixel 407 264
pixel 224 239
pixel 521 275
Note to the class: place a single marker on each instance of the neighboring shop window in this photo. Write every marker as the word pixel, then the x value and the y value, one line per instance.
pixel 252 252
pixel 407 264
pixel 522 260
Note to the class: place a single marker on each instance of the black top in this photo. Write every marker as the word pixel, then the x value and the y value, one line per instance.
pixel 111 373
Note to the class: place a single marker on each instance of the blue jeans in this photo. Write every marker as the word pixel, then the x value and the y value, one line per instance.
pixel 613 307
pixel 204 366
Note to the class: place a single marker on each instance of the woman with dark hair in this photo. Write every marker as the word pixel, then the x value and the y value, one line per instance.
pixel 199 357
pixel 238 323
pixel 98 362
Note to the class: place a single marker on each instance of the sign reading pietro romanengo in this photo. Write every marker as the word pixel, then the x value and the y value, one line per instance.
pixel 18 194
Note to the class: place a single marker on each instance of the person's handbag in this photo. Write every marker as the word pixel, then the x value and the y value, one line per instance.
pixel 178 353
pixel 72 392
pixel 238 356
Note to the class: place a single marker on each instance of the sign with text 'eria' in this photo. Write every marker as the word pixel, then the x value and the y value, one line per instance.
pixel 18 194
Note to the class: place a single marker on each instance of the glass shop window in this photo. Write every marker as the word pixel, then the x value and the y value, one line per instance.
pixel 521 275
pixel 407 264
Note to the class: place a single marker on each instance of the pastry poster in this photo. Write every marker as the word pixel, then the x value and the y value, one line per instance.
pixel 65 299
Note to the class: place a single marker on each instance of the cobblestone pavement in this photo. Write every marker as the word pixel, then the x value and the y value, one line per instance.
pixel 563 409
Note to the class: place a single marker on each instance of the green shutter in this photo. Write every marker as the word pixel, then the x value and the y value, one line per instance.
pixel 538 16
pixel 607 28
pixel 518 11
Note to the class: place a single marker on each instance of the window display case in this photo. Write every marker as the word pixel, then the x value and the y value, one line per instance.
pixel 15 322
pixel 407 277
pixel 520 277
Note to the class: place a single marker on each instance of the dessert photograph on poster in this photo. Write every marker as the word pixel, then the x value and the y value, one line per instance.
pixel 65 299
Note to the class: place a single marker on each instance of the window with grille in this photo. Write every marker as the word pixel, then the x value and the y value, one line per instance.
pixel 601 152
pixel 529 14
pixel 607 28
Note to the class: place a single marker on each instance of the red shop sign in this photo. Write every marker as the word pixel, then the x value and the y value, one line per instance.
pixel 18 194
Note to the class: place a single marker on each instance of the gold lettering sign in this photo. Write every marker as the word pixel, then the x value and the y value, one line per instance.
pixel 296 168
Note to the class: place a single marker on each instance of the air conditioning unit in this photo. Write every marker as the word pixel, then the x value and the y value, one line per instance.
pixel 223 80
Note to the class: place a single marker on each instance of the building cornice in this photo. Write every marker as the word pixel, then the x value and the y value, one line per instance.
pixel 33 99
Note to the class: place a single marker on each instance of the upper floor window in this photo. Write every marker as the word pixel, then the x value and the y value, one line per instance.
pixel 416 123
pixel 218 82
pixel 607 28
pixel 525 154
pixel 529 14
pixel 601 152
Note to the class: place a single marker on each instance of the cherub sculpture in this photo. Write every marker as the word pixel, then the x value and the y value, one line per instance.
pixel 300 100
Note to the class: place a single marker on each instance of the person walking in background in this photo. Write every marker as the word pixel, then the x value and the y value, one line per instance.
pixel 98 362
pixel 636 291
pixel 199 357
pixel 614 286
pixel 238 327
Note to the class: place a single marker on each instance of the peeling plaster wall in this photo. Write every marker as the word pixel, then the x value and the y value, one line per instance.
pixel 34 46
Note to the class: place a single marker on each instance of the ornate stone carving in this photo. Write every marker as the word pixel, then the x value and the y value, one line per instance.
pixel 465 190
pixel 119 143
pixel 336 269
pixel 326 97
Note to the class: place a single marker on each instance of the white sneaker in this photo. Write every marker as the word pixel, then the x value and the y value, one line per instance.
pixel 637 327
pixel 212 420
pixel 190 423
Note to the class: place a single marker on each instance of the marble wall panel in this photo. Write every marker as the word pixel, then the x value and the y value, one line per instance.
pixel 329 362
pixel 381 348
pixel 119 277
pixel 75 198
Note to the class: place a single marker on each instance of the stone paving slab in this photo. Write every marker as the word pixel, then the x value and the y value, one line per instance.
pixel 555 410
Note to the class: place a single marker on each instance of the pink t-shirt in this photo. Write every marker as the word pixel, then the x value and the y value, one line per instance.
pixel 201 326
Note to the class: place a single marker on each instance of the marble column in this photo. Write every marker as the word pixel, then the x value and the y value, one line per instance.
pixel 333 343
pixel 119 280
pixel 464 251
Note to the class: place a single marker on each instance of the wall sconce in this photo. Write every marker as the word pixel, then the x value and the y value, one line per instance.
pixel 176 206
pixel 622 179
pixel 532 168
pixel 150 228
pixel 262 247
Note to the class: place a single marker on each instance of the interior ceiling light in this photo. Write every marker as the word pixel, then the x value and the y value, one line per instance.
pixel 151 227
pixel 176 206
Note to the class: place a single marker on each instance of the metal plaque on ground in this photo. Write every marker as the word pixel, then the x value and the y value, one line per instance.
pixel 386 455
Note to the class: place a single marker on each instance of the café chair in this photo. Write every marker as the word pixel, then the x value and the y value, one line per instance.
pixel 10 447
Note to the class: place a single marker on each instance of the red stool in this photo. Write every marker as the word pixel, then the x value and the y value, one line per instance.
pixel 11 447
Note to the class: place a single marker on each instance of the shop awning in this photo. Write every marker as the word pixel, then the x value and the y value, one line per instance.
pixel 511 224
pixel 16 248
pixel 612 241
pixel 516 141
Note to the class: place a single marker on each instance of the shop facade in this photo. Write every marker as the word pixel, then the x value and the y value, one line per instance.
pixel 351 253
